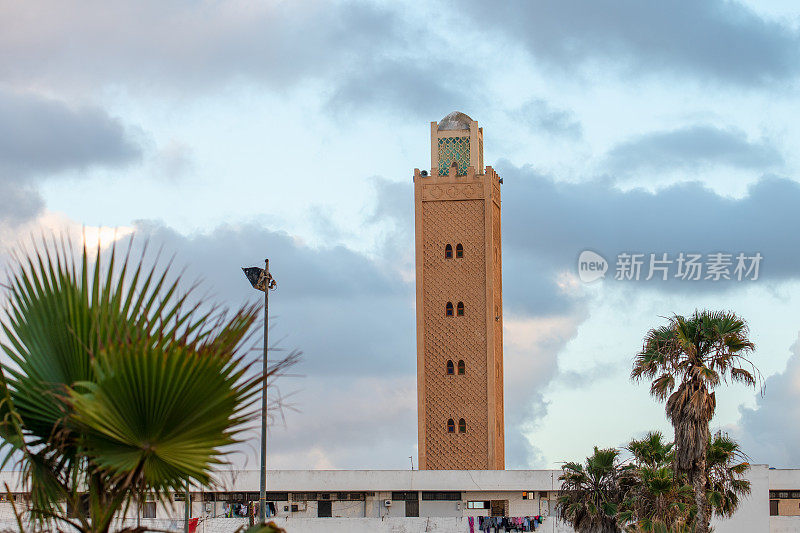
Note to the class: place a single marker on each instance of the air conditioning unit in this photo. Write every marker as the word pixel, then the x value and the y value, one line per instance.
pixel 387 503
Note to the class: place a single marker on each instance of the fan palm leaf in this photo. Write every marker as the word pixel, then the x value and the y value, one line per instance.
pixel 115 383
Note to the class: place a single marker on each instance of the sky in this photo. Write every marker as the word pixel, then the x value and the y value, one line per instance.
pixel 225 132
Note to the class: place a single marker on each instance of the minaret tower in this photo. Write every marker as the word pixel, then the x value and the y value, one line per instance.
pixel 459 303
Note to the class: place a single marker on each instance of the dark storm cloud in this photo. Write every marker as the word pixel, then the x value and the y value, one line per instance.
pixel 541 116
pixel 554 221
pixel 714 39
pixel 691 147
pixel 769 432
pixel 40 136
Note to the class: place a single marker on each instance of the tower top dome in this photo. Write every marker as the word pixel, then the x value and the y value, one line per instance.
pixel 455 121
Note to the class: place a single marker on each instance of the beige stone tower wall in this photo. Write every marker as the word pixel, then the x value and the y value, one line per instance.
pixel 458 205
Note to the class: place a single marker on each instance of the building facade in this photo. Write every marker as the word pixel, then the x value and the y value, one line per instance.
pixel 403 501
pixel 459 303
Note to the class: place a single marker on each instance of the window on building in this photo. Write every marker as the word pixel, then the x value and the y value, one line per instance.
pixel 324 509
pixel 460 308
pixel 448 496
pixel 405 496
pixel 462 368
pixel 448 252
pixel 462 425
pixel 477 505
pixel 459 251
pixel 450 368
pixel 448 309
pixel 773 507
pixel 149 510
pixel 451 426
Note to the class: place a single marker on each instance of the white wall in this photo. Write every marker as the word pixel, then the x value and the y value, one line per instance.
pixel 784 524
pixel 753 511
pixel 316 525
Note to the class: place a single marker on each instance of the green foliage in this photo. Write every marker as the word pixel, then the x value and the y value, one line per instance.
pixel 644 494
pixel 655 501
pixel 727 466
pixel 590 493
pixel 686 360
pixel 116 385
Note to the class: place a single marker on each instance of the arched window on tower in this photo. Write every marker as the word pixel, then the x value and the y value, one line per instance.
pixel 448 309
pixel 459 251
pixel 462 368
pixel 451 426
pixel 460 308
pixel 448 251
pixel 462 425
pixel 450 369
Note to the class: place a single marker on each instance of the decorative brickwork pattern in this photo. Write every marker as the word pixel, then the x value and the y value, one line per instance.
pixel 454 149
pixel 457 337
pixel 459 203
pixel 497 274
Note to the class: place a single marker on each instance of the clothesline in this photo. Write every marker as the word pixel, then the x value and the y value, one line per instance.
pixel 496 524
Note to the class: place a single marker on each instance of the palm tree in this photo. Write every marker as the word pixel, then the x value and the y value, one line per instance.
pixel 686 360
pixel 117 385
pixel 725 481
pixel 654 501
pixel 590 494
pixel 651 451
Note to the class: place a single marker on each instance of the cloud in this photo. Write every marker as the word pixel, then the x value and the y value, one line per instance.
pixel 549 223
pixel 691 148
pixel 768 432
pixel 579 379
pixel 716 39
pixel 185 43
pixel 359 52
pixel 41 136
pixel 348 314
pixel 531 348
pixel 18 203
pixel 541 116
pixel 174 161
pixel 419 87
pixel 360 423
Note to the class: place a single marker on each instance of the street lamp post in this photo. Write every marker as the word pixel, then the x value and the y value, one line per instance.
pixel 261 280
